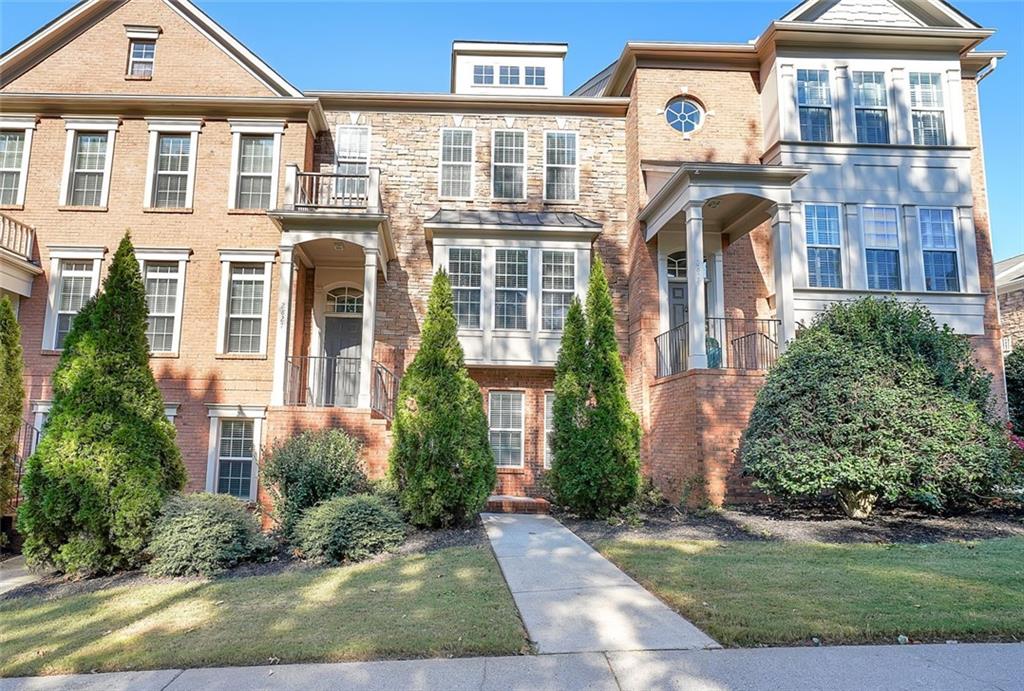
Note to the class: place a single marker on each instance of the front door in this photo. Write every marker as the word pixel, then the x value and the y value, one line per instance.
pixel 677 305
pixel 343 337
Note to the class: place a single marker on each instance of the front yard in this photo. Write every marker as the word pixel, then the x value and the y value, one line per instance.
pixel 448 602
pixel 756 592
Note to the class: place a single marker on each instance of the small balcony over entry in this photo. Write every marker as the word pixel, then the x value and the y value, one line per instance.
pixel 731 343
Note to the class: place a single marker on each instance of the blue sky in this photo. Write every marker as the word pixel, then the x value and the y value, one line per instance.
pixel 390 46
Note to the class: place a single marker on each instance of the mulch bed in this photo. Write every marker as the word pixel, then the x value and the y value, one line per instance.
pixel 804 523
pixel 419 542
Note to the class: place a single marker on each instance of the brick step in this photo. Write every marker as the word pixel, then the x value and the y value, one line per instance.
pixel 503 503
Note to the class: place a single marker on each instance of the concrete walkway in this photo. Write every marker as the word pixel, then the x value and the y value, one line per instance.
pixel 975 667
pixel 573 600
pixel 14 574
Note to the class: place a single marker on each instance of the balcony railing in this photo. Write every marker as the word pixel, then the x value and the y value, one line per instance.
pixel 25 445
pixel 383 391
pixel 16 237
pixel 314 191
pixel 322 382
pixel 731 343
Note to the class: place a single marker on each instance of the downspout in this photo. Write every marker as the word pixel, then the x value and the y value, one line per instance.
pixel 987 70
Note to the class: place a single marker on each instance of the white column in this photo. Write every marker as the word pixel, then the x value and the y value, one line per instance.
pixel 282 341
pixel 782 250
pixel 955 108
pixel 291 181
pixel 900 93
pixel 913 258
pixel 845 127
pixel 716 265
pixel 968 250
pixel 697 326
pixel 789 118
pixel 369 320
pixel 856 277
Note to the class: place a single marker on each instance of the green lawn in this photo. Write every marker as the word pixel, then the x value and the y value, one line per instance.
pixel 449 602
pixel 776 593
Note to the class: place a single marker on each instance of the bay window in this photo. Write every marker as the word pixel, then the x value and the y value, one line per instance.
pixel 511 288
pixel 939 249
pixel 871 107
pixel 464 272
pixel 882 247
pixel 824 248
pixel 927 109
pixel 814 102
pixel 558 285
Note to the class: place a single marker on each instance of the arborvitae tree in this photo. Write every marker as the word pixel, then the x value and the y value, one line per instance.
pixel 1014 365
pixel 441 459
pixel 569 477
pixel 12 399
pixel 597 435
pixel 107 458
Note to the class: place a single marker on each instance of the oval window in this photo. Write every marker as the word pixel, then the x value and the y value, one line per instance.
pixel 684 115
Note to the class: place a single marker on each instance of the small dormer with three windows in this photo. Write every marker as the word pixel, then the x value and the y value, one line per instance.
pixel 507 69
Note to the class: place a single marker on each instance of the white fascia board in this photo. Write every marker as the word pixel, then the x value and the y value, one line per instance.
pixel 174 124
pixel 89 123
pixel 256 126
pixel 75 252
pixel 9 121
pixel 154 254
pixel 246 255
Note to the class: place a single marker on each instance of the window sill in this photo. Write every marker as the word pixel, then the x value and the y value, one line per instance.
pixel 166 210
pixel 102 209
pixel 163 356
pixel 240 356
pixel 247 212
pixel 12 207
pixel 510 470
pixel 137 78
pixel 561 202
pixel 50 352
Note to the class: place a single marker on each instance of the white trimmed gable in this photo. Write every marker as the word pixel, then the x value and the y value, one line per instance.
pixel 867 12
pixel 894 13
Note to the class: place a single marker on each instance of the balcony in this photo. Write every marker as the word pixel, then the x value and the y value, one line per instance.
pixel 731 343
pixel 16 237
pixel 328 192
pixel 333 382
pixel 17 270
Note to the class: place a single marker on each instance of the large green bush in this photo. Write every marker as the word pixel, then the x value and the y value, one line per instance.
pixel 348 529
pixel 1014 365
pixel 596 467
pixel 304 470
pixel 203 534
pixel 12 400
pixel 441 460
pixel 865 416
pixel 107 458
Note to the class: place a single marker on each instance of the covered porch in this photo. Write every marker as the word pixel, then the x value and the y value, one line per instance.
pixel 696 211
pixel 335 247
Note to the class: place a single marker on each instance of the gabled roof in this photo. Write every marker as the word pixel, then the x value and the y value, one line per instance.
pixel 60 31
pixel 910 13
pixel 1010 274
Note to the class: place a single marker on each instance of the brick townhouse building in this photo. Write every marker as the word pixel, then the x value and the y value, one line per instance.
pixel 287 239
pixel 1010 291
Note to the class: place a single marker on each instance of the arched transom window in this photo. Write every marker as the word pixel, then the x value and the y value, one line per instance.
pixel 345 301
pixel 677 265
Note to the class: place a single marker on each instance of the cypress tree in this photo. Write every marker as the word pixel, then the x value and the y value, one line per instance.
pixel 441 458
pixel 568 478
pixel 12 400
pixel 107 458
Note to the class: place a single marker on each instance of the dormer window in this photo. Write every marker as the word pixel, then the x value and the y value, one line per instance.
pixel 141 50
pixel 508 75
pixel 483 74
pixel 534 76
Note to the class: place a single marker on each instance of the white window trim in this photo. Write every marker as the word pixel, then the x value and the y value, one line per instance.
pixel 843 263
pixel 57 254
pixel 240 127
pixel 888 108
pixel 541 290
pixel 832 93
pixel 543 71
pixel 181 256
pixel 369 141
pixel 522 426
pixel 519 71
pixel 531 281
pixel 483 293
pixel 41 411
pixel 494 134
pixel 901 247
pixel 26 123
pixel 483 67
pixel 218 412
pixel 241 256
pixel 441 164
pixel 163 126
pixel 961 275
pixel 576 198
pixel 73 126
pixel 944 109
pixel 547 460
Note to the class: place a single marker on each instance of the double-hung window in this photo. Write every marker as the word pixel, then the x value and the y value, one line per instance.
pixel 938 244
pixel 511 288
pixel 12 156
pixel 235 458
pixel 814 101
pixel 508 75
pixel 561 169
pixel 824 262
pixel 549 428
pixel 141 57
pixel 505 416
pixel 464 272
pixel 927 109
pixel 881 247
pixel 871 107
pixel 483 74
pixel 508 164
pixel 165 282
pixel 245 308
pixel 353 164
pixel 534 76
pixel 456 164
pixel 77 285
pixel 558 285
pixel 172 171
pixel 89 163
pixel 255 171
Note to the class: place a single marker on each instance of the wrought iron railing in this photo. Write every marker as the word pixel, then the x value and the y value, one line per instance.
pixel 383 391
pixel 322 382
pixel 28 438
pixel 331 190
pixel 16 237
pixel 730 343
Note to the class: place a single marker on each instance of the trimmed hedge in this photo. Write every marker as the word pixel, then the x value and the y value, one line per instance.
pixel 203 534
pixel 309 468
pixel 348 529
pixel 12 400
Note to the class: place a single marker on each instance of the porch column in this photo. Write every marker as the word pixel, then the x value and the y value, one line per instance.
pixel 696 319
pixel 369 321
pixel 282 339
pixel 782 259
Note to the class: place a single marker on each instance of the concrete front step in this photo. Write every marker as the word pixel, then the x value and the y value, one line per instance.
pixel 503 503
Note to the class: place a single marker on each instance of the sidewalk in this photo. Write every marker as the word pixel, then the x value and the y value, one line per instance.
pixel 14 574
pixel 960 667
pixel 573 600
